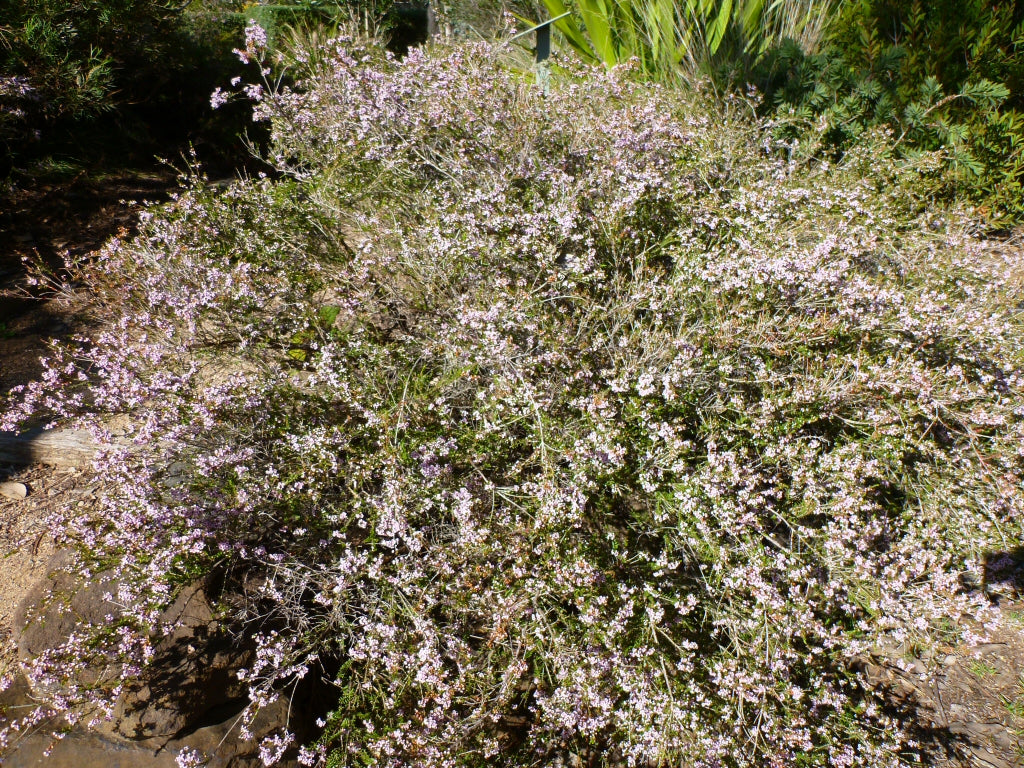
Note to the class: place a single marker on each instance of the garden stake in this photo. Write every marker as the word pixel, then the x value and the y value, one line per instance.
pixel 543 48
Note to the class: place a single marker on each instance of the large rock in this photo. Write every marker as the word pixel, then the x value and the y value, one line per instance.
pixel 192 673
pixel 84 749
pixel 191 679
pixel 189 696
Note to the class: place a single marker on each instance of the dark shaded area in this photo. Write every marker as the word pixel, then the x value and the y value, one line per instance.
pixel 410 24
pixel 1003 573
pixel 102 90
pixel 110 83
pixel 44 224
pixel 71 216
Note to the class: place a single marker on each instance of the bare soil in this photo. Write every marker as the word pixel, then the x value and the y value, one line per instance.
pixel 966 702
pixel 43 226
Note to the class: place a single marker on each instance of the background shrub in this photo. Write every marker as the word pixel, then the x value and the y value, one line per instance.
pixel 941 75
pixel 679 42
pixel 113 81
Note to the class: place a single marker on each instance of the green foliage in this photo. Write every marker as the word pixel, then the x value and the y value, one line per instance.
pixel 76 53
pixel 616 31
pixel 276 18
pixel 673 39
pixel 942 76
pixel 80 75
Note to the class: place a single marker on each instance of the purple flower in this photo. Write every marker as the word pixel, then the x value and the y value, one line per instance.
pixel 218 98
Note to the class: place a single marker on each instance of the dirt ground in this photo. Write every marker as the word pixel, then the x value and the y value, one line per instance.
pixel 43 225
pixel 967 702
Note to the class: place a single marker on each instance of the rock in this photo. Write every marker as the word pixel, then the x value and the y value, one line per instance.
pixel 889 649
pixel 983 649
pixel 979 737
pixel 986 759
pixel 1006 740
pixel 223 747
pixel 957 710
pixel 84 749
pixel 192 673
pixel 14 491
pixel 904 690
pixel 189 696
pixel 872 672
pixel 977 730
pixel 42 622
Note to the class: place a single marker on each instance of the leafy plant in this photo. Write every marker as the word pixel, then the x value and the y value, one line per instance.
pixel 1014 706
pixel 80 77
pixel 275 18
pixel 981 669
pixel 944 76
pixel 672 39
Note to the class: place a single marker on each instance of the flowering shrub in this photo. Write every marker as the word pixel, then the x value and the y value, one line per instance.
pixel 582 423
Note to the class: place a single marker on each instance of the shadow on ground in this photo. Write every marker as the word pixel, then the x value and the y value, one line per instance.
pixel 43 224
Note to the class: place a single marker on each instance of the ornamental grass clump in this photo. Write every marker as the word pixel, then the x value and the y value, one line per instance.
pixel 582 423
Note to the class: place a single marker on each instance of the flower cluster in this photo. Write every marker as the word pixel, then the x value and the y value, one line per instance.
pixel 579 424
pixel 15 93
pixel 255 43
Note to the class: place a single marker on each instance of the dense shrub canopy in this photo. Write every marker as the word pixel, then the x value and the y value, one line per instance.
pixel 71 49
pixel 589 422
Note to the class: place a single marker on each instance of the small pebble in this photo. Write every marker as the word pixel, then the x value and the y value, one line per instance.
pixel 16 491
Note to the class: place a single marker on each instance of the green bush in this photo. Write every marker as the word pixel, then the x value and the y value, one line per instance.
pixel 95 78
pixel 276 17
pixel 943 76
pixel 80 56
pixel 674 41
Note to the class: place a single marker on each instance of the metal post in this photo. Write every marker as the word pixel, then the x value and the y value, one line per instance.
pixel 543 50
pixel 432 29
pixel 543 42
